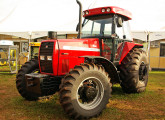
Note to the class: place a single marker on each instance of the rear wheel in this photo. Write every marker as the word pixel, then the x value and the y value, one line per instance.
pixel 134 71
pixel 85 91
pixel 31 66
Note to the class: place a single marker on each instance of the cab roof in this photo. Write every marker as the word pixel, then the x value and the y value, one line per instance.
pixel 106 11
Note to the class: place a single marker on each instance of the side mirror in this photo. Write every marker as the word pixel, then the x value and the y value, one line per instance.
pixel 124 36
pixel 119 22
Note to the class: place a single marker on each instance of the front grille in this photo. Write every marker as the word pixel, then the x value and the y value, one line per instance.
pixel 46 49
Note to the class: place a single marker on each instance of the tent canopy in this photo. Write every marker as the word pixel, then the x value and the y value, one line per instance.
pixel 62 15
pixel 23 18
pixel 39 15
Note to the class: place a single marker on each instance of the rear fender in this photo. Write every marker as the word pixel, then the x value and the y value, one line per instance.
pixel 108 65
pixel 127 47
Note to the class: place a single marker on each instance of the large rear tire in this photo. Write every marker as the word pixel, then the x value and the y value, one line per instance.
pixel 134 71
pixel 31 66
pixel 85 91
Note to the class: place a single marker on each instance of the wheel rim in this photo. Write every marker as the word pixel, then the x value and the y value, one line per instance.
pixel 90 93
pixel 142 71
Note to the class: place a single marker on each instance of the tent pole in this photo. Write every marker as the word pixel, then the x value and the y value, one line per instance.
pixel 30 35
pixel 148 50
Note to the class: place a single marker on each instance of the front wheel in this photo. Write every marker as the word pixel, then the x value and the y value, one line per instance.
pixel 85 91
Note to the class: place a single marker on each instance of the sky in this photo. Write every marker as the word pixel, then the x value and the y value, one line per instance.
pixel 62 15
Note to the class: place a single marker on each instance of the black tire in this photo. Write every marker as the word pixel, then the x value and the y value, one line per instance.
pixel 29 67
pixel 134 71
pixel 74 86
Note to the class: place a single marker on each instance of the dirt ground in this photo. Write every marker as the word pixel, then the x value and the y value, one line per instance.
pixel 149 105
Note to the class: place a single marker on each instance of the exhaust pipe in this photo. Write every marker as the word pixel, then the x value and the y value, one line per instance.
pixel 80 18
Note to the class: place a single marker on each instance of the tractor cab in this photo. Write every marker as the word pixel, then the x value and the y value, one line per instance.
pixel 105 22
pixel 111 26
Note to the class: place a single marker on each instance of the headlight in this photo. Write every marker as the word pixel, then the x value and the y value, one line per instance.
pixel 103 10
pixel 42 57
pixel 49 57
pixel 87 12
pixel 108 9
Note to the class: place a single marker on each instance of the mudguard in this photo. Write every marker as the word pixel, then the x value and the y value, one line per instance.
pixel 127 47
pixel 108 65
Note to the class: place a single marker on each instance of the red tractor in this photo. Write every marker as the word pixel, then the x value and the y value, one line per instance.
pixel 84 69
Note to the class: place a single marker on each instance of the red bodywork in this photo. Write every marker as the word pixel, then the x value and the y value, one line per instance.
pixel 127 47
pixel 113 10
pixel 68 52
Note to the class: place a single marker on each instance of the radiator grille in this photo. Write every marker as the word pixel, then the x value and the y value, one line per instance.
pixel 46 49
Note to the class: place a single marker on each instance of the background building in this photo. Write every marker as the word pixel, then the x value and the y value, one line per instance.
pixel 157 47
pixel 22 39
pixel 157 43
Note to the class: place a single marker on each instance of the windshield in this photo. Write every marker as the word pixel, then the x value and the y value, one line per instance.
pixel 99 27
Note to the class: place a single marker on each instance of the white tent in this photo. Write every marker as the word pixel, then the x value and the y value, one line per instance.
pixel 38 15
pixel 24 17
pixel 62 15
pixel 34 18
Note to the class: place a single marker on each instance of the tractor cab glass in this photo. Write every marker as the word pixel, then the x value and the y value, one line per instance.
pixel 112 30
pixel 122 28
pixel 97 27
pixel 106 26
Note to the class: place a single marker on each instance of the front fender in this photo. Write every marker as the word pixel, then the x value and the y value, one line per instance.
pixel 108 65
pixel 127 47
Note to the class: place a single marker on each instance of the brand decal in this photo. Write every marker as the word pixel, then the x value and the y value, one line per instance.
pixel 80 48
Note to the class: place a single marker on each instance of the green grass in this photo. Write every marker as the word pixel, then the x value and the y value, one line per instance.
pixel 37 110
pixel 6 69
pixel 147 105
